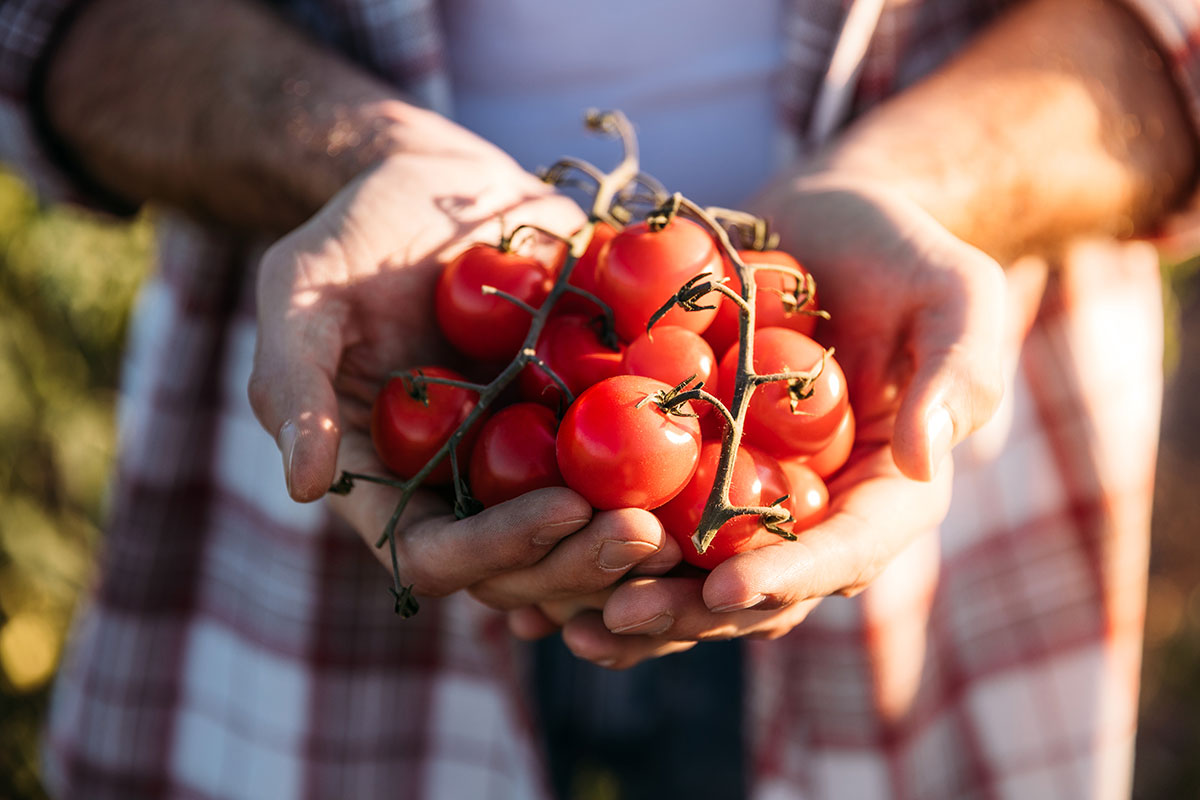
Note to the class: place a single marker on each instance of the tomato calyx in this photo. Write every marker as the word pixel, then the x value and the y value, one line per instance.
pixel 688 297
pixel 774 525
pixel 797 299
pixel 674 401
pixel 800 383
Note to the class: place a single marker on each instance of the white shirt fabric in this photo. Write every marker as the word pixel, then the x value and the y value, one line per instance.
pixel 697 78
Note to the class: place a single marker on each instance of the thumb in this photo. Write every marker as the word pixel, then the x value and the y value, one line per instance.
pixel 957 381
pixel 291 387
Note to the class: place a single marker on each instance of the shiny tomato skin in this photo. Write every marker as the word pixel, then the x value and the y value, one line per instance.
pixel 571 346
pixel 620 456
pixel 681 516
pixel 407 432
pixel 770 423
pixel 640 269
pixel 769 308
pixel 514 454
pixel 809 494
pixel 773 480
pixel 672 354
pixel 834 455
pixel 486 326
pixel 583 274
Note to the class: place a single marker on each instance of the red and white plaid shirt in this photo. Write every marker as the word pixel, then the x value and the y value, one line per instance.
pixel 238 645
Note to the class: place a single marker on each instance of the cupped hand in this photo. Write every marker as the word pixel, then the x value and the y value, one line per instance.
pixel 918 323
pixel 347 299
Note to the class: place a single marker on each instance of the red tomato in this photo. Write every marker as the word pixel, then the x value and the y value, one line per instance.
pixel 407 431
pixel 770 307
pixel 671 354
pixel 681 516
pixel 583 274
pixel 571 346
pixel 809 495
pixel 620 456
pixel 771 423
pixel 834 455
pixel 640 269
pixel 774 481
pixel 486 326
pixel 514 454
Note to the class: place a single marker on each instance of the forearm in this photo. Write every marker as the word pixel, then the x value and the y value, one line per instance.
pixel 219 108
pixel 1060 120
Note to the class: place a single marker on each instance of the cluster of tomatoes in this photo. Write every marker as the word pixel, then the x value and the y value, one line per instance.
pixel 631 428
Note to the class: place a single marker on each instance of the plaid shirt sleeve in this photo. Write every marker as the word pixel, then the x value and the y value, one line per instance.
pixel 29 30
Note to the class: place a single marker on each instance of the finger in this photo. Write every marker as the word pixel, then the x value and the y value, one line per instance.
pixel 587 637
pixel 291 385
pixel 876 513
pixel 530 624
pixel 957 382
pixel 438 554
pixel 593 559
pixel 674 608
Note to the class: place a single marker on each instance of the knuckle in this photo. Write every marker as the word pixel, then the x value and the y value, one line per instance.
pixel 495 599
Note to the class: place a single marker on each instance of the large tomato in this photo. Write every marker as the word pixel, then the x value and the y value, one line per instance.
pixel 487 326
pixel 411 420
pixel 514 454
pixel 775 301
pixel 570 346
pixel 681 516
pixel 641 268
pixel 779 419
pixel 619 452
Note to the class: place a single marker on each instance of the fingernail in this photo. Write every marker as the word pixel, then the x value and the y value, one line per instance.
pixel 615 555
pixel 553 532
pixel 939 432
pixel 607 663
pixel 654 626
pixel 286 441
pixel 742 606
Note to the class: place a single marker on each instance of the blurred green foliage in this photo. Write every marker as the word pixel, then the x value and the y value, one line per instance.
pixel 67 282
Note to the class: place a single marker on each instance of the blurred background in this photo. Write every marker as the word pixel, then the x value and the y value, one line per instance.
pixel 66 285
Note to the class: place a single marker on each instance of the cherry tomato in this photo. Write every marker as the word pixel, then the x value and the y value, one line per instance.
pixel 640 269
pixel 775 302
pixel 570 345
pixel 618 455
pixel 671 354
pixel 681 516
pixel 834 455
pixel 583 274
pixel 486 326
pixel 772 423
pixel 410 422
pixel 514 454
pixel 773 479
pixel 809 495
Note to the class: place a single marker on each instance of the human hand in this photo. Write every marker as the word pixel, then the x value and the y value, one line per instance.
pixel 348 298
pixel 918 320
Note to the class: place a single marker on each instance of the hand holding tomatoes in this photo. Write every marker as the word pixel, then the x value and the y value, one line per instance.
pixel 915 319
pixel 348 299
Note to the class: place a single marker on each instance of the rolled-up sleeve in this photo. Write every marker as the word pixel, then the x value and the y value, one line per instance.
pixel 29 31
